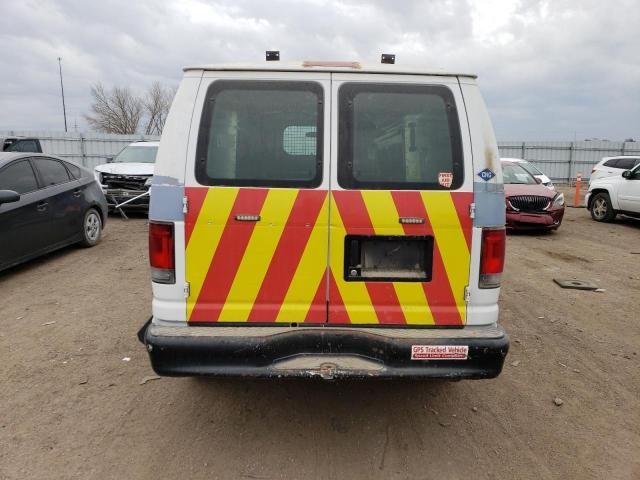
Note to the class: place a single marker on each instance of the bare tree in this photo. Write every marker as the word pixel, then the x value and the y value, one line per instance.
pixel 156 104
pixel 114 111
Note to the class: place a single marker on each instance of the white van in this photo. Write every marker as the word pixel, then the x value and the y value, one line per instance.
pixel 326 219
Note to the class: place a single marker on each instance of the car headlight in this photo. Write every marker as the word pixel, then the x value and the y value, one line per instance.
pixel 559 200
pixel 147 184
pixel 98 176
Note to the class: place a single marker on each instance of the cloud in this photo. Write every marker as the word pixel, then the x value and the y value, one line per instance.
pixel 548 69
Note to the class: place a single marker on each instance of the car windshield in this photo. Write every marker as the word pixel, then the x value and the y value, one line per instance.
pixel 531 169
pixel 515 174
pixel 137 154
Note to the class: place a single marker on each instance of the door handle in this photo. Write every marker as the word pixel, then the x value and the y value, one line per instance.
pixel 77 192
pixel 42 206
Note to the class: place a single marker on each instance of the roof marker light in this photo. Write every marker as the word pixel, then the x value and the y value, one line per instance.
pixel 322 63
pixel 273 55
pixel 389 58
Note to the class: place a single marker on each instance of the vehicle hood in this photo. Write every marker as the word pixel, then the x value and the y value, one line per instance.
pixel 126 168
pixel 538 190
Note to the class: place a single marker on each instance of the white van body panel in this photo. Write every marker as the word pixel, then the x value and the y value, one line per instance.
pixel 483 303
pixel 169 299
pixel 172 155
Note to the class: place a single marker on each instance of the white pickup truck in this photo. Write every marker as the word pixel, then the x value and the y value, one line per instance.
pixel 610 196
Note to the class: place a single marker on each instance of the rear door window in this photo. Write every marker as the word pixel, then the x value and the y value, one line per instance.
pixel 23 146
pixel 52 172
pixel 611 163
pixel 398 136
pixel 261 133
pixel 74 170
pixel 18 177
pixel 626 163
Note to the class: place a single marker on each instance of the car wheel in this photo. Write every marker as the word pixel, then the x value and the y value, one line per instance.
pixel 91 228
pixel 601 209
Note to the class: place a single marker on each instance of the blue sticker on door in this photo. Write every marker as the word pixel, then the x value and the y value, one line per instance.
pixel 486 174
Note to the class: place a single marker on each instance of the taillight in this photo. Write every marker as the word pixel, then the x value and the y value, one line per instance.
pixel 492 257
pixel 161 252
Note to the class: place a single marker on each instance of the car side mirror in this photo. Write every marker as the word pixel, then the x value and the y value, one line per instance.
pixel 109 159
pixel 9 196
pixel 627 174
pixel 538 181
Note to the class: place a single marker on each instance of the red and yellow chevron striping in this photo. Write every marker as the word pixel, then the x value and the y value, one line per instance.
pixel 352 217
pixel 279 269
pixel 269 303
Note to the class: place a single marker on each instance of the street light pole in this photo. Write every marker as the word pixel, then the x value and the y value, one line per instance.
pixel 64 109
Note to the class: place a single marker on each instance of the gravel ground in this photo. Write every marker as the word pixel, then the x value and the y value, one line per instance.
pixel 72 404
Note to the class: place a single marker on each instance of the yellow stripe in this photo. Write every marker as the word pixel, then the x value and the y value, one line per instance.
pixel 451 242
pixel 310 270
pixel 257 256
pixel 354 294
pixel 415 305
pixel 205 238
pixel 384 217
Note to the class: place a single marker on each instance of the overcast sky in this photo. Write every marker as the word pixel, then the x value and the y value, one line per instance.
pixel 549 69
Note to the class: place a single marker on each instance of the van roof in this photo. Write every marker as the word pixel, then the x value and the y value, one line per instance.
pixel 327 66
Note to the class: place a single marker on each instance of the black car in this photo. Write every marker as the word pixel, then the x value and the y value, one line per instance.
pixel 45 204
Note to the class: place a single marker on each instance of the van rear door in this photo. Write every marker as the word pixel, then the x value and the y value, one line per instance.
pixel 401 190
pixel 257 221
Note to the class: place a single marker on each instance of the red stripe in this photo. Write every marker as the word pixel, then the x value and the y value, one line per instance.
pixel 385 301
pixel 318 309
pixel 195 196
pixel 287 255
pixel 438 290
pixel 337 311
pixel 226 260
pixel 462 201
pixel 355 218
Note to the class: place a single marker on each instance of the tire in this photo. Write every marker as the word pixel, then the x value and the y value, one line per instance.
pixel 601 209
pixel 91 228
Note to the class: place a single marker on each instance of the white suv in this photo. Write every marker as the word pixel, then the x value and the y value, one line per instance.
pixel 610 196
pixel 613 166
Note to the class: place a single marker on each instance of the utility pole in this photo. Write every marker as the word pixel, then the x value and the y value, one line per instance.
pixel 64 109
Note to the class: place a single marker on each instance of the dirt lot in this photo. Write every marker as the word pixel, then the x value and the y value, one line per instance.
pixel 71 406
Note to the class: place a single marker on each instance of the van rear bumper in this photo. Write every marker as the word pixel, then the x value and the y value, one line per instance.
pixel 325 351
